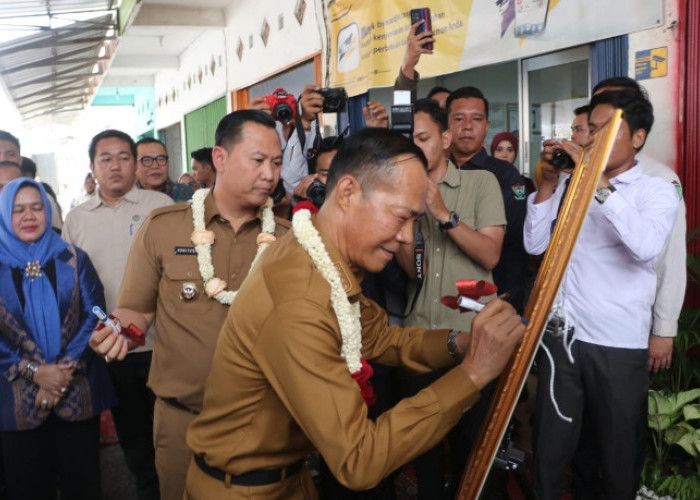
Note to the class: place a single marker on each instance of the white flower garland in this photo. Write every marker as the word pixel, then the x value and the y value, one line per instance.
pixel 348 314
pixel 203 240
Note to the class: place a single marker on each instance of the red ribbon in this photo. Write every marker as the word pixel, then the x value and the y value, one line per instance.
pixel 474 289
pixel 362 377
pixel 307 205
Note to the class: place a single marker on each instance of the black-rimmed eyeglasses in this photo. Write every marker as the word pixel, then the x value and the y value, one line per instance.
pixel 147 161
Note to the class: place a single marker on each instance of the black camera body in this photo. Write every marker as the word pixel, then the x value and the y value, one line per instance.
pixel 402 119
pixel 316 193
pixel 278 194
pixel 334 99
pixel 562 160
pixel 282 104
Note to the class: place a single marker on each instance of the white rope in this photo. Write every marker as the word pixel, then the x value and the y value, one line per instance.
pixel 558 313
pixel 551 385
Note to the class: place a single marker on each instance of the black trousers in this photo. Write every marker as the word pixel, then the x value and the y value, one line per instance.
pixel 608 387
pixel 133 419
pixel 56 455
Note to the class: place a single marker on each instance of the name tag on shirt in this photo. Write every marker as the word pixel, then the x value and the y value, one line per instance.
pixel 185 251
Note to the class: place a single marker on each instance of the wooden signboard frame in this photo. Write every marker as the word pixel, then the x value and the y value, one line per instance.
pixel 584 181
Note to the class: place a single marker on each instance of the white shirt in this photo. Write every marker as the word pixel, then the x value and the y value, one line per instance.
pixel 106 234
pixel 671 264
pixel 609 286
pixel 294 164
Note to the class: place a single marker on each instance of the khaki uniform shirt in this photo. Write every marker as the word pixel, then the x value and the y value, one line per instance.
pixel 106 233
pixel 279 388
pixel 162 260
pixel 476 196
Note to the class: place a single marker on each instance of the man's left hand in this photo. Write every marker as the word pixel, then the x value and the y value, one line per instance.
pixel 660 353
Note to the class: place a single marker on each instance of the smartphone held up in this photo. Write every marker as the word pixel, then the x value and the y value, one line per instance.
pixel 424 15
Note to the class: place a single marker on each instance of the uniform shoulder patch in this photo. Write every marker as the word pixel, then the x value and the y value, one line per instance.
pixel 519 191
pixel 679 189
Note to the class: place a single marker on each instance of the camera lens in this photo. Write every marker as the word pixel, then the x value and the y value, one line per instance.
pixel 560 159
pixel 316 193
pixel 332 100
pixel 283 112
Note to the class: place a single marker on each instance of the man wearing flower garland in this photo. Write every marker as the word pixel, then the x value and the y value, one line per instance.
pixel 289 371
pixel 183 270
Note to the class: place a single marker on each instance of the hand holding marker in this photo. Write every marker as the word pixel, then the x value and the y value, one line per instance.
pixel 132 332
pixel 476 306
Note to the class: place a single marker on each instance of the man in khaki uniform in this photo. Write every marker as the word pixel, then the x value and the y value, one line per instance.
pixel 279 386
pixel 164 279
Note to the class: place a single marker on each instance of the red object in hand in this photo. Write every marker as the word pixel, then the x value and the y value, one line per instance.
pixel 474 289
pixel 135 334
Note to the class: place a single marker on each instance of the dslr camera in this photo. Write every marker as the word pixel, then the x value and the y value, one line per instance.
pixel 282 104
pixel 316 193
pixel 562 160
pixel 334 99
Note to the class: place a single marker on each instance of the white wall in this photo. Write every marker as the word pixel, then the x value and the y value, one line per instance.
pixel 663 91
pixel 292 44
pixel 200 79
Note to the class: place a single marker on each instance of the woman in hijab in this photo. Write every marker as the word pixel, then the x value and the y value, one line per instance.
pixel 52 387
pixel 504 146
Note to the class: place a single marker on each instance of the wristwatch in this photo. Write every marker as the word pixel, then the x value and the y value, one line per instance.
pixel 30 370
pixel 603 193
pixel 453 221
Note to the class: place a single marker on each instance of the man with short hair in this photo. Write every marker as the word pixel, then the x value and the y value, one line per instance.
pixel 152 170
pixel 183 271
pixel 105 227
pixel 603 309
pixel 203 169
pixel 463 228
pixel 468 118
pixel 9 171
pixel 671 265
pixel 9 148
pixel 296 339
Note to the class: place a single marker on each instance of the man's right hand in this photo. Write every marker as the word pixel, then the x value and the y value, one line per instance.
pixel 108 343
pixel 414 48
pixel 261 104
pixel 495 333
pixel 311 102
pixel 303 186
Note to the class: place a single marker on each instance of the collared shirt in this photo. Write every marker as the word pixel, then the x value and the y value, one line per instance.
pixel 671 265
pixel 176 191
pixel 106 234
pixel 609 286
pixel 295 166
pixel 475 196
pixel 510 275
pixel 162 261
pixel 279 388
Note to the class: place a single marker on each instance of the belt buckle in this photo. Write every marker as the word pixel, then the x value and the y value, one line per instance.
pixel 556 328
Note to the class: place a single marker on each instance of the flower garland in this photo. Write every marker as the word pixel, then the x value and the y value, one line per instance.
pixel 203 240
pixel 348 314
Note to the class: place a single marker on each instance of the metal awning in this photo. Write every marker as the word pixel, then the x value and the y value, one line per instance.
pixel 58 54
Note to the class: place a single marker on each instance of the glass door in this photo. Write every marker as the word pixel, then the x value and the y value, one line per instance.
pixel 554 85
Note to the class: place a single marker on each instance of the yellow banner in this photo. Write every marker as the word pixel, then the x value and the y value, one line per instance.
pixel 369 40
pixel 368 37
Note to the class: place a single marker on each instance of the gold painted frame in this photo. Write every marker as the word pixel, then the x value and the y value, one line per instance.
pixel 584 181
